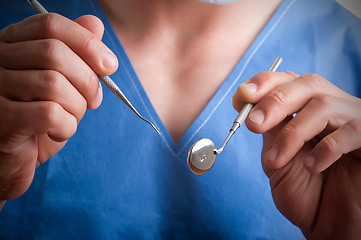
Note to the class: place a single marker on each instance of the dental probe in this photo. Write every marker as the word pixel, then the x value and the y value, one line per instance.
pixel 245 111
pixel 105 79
pixel 202 154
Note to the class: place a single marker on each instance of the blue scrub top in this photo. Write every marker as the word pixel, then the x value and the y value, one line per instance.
pixel 117 179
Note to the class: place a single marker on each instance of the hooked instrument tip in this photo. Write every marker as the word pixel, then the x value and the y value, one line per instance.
pixel 154 127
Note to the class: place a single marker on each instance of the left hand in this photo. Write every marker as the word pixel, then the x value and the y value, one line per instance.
pixel 313 160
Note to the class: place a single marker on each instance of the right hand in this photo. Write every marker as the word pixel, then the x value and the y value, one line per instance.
pixel 48 77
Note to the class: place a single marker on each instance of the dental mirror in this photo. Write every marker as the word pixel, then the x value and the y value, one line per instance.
pixel 202 154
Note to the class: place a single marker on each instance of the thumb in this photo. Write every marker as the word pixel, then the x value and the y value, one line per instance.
pixel 92 24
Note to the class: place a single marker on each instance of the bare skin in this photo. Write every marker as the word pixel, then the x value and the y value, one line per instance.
pixel 56 49
pixel 314 159
pixel 44 96
pixel 165 39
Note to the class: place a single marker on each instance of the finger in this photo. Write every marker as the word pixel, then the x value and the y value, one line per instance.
pixel 256 87
pixel 307 124
pixel 268 139
pixel 54 55
pixel 342 141
pixel 53 26
pixel 49 148
pixel 286 100
pixel 46 85
pixel 36 118
pixel 92 24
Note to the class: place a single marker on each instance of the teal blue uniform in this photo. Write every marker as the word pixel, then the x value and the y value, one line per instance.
pixel 118 179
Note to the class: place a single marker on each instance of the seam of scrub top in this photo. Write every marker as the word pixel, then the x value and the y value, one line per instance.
pixel 255 50
pixel 242 70
pixel 127 70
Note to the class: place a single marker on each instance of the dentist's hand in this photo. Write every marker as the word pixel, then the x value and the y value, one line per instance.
pixel 313 160
pixel 48 78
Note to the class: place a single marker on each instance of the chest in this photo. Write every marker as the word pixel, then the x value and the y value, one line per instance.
pixel 181 85
pixel 181 71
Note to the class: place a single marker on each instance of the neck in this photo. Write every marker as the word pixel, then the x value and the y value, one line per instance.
pixel 183 17
pixel 182 50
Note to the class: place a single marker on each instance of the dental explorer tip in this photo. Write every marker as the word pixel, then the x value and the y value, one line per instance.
pixel 105 79
pixel 154 127
pixel 141 117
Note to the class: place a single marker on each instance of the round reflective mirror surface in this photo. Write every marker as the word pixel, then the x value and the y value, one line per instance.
pixel 201 156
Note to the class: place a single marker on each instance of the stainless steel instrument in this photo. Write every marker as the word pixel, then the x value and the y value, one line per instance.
pixel 105 79
pixel 202 154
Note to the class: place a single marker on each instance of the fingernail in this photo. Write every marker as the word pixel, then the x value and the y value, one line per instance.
pixel 310 161
pixel 109 61
pixel 250 87
pixel 271 155
pixel 99 96
pixel 257 116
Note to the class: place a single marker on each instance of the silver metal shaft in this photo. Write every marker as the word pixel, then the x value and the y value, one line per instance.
pixel 245 111
pixel 105 79
pixel 115 89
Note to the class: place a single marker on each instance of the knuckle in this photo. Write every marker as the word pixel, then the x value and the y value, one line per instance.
pixel 290 132
pixel 329 144
pixel 50 112
pixel 324 100
pixel 277 97
pixel 355 125
pixel 80 109
pixel 50 24
pixel 53 114
pixel 8 32
pixel 89 85
pixel 88 42
pixel 51 49
pixel 292 74
pixel 314 81
pixel 51 81
pixel 83 107
pixel 71 128
pixel 262 77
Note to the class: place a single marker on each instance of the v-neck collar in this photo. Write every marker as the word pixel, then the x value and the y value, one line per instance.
pixel 223 91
